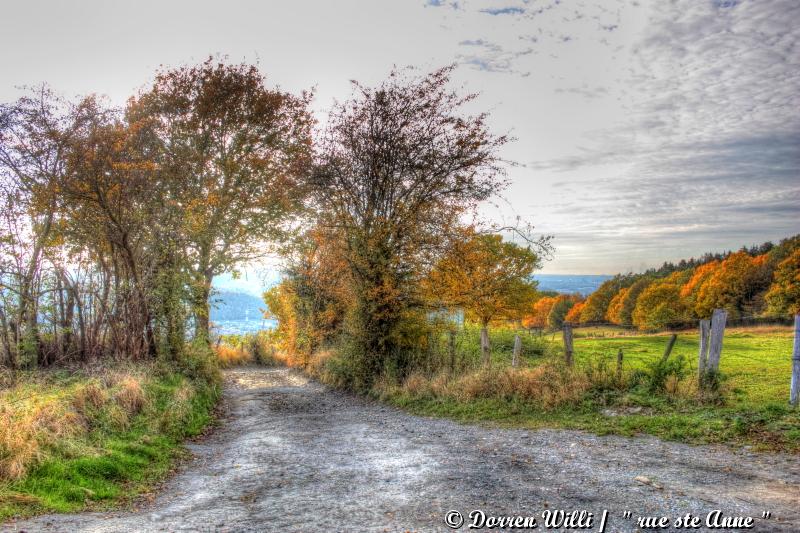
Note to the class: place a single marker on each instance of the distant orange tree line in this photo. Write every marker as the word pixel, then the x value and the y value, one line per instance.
pixel 760 282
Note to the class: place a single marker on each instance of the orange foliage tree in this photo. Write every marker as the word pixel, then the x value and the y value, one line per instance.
pixel 615 307
pixel 574 314
pixel 784 293
pixel 490 279
pixel 733 285
pixel 541 310
pixel 597 303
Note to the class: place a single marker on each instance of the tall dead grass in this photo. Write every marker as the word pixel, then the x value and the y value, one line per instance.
pixel 229 356
pixel 547 385
pixel 37 415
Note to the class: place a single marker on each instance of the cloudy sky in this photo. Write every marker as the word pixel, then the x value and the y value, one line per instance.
pixel 645 130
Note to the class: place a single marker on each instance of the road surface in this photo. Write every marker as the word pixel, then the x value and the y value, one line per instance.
pixel 292 455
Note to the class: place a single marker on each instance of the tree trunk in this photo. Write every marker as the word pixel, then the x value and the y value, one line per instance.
pixel 486 351
pixel 202 307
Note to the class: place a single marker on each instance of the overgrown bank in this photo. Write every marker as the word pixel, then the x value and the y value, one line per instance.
pixel 91 437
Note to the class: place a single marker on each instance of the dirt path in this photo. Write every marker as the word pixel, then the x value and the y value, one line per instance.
pixel 294 456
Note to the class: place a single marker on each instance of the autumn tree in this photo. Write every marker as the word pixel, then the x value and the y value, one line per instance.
pixel 35 134
pixel 733 285
pixel 596 306
pixel 659 305
pixel 615 306
pixel 398 165
pixel 540 311
pixel 231 154
pixel 784 293
pixel 111 195
pixel 620 309
pixel 311 302
pixel 573 316
pixel 558 313
pixel 489 278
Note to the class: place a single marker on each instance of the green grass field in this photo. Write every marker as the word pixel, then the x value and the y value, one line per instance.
pixel 752 408
pixel 755 362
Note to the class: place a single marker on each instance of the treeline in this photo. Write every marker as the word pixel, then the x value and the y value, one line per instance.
pixel 758 282
pixel 115 221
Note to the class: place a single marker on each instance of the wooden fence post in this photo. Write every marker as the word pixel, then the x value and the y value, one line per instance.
pixel 668 349
pixel 718 319
pixel 568 343
pixel 702 358
pixel 619 365
pixel 794 391
pixel 485 348
pixel 451 348
pixel 517 351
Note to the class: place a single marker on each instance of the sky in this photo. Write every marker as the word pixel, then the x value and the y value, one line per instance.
pixel 645 131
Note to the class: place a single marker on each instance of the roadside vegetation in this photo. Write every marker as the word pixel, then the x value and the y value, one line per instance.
pixel 87 437
pixel 749 407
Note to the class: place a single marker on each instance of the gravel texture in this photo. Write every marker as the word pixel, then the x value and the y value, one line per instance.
pixel 292 455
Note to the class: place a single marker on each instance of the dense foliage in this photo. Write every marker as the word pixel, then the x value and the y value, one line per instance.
pixel 756 283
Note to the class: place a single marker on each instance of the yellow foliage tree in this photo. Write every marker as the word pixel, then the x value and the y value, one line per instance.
pixel 659 305
pixel 488 278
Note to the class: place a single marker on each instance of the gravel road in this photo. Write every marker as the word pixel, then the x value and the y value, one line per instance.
pixel 292 455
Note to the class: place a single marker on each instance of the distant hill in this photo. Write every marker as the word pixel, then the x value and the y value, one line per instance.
pixel 568 284
pixel 235 306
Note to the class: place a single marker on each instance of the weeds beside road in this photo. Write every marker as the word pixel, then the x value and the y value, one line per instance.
pixel 89 437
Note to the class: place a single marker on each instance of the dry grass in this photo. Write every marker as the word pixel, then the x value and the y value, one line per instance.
pixel 547 385
pixel 19 446
pixel 316 364
pixel 229 356
pixel 40 413
pixel 130 396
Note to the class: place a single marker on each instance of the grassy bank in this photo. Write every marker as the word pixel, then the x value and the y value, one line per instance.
pixel 750 406
pixel 89 438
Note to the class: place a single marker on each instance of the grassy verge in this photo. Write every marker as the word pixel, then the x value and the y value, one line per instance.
pixel 93 438
pixel 749 408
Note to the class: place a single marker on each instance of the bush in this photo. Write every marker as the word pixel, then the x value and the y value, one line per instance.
pixel 199 362
pixel 660 373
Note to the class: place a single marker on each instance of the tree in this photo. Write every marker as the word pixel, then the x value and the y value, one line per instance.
pixel 560 309
pixel 690 289
pixel 660 305
pixel 597 303
pixel 541 310
pixel 620 309
pixel 116 207
pixel 573 316
pixel 232 154
pixel 489 278
pixel 733 285
pixel 784 293
pixel 398 165
pixel 35 134
pixel 616 306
